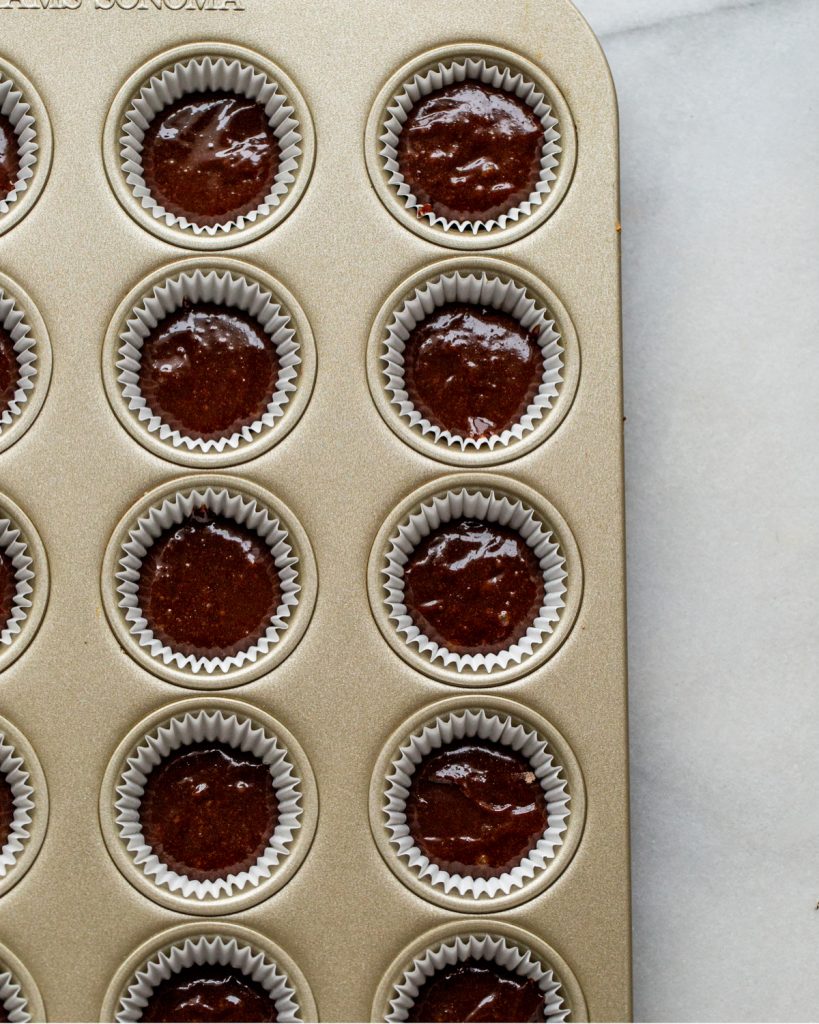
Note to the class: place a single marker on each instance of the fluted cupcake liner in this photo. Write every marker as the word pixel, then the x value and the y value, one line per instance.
pixel 16 550
pixel 209 73
pixel 13 770
pixel 485 289
pixel 489 72
pixel 171 512
pixel 12 999
pixel 14 323
pixel 490 948
pixel 212 950
pixel 14 106
pixel 494 508
pixel 500 729
pixel 193 727
pixel 225 289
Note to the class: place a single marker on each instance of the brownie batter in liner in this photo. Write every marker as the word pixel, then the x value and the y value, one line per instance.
pixel 491 74
pixel 171 512
pixel 13 771
pixel 492 507
pixel 13 322
pixel 14 107
pixel 209 74
pixel 12 999
pixel 224 289
pixel 484 290
pixel 209 950
pixel 489 948
pixel 16 550
pixel 500 729
pixel 181 731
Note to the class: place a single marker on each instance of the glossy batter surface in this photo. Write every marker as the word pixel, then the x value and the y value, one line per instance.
pixel 8 587
pixel 9 164
pixel 472 370
pixel 475 807
pixel 6 815
pixel 209 810
pixel 209 586
pixel 208 370
pixel 209 994
pixel 9 370
pixel 478 990
pixel 473 586
pixel 470 151
pixel 210 156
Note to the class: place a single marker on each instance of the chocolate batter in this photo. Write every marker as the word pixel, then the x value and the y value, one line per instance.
pixel 209 810
pixel 208 370
pixel 9 161
pixel 3 1014
pixel 472 370
pixel 473 586
pixel 478 990
pixel 210 156
pixel 8 588
pixel 208 994
pixel 470 151
pixel 475 807
pixel 209 586
pixel 6 815
pixel 9 370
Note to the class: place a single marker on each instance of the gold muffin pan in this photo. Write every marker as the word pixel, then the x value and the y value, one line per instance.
pixel 342 917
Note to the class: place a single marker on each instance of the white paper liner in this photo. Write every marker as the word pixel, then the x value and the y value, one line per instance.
pixel 12 769
pixel 13 106
pixel 484 290
pixel 494 508
pixel 12 999
pixel 211 950
pixel 491 948
pixel 204 74
pixel 225 289
pixel 486 726
pixel 490 73
pixel 14 323
pixel 16 551
pixel 170 512
pixel 240 733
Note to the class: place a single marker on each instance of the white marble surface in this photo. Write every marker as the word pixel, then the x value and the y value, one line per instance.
pixel 720 148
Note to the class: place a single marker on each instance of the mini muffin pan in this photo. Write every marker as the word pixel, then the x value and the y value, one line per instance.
pixel 342 693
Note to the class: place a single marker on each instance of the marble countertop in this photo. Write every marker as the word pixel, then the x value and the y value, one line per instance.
pixel 719 105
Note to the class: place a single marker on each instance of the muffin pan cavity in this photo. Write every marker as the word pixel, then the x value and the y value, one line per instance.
pixel 225 86
pixel 212 410
pixel 246 746
pixel 520 91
